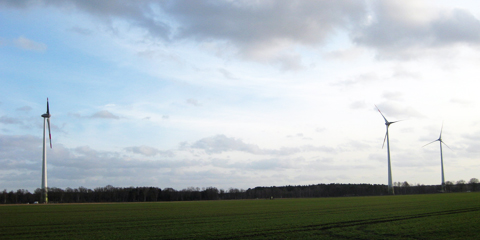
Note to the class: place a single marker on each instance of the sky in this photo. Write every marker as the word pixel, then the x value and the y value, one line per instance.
pixel 238 94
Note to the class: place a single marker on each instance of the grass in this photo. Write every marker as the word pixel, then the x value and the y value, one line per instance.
pixel 435 216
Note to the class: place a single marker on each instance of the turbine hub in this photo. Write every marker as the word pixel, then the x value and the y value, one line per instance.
pixel 46 115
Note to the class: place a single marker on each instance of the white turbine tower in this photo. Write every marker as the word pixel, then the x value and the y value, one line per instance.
pixel 441 156
pixel 387 124
pixel 46 119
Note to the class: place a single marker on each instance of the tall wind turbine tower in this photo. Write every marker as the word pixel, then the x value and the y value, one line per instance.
pixel 441 156
pixel 387 124
pixel 46 119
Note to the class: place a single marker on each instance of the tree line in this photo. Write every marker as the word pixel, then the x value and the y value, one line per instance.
pixel 152 194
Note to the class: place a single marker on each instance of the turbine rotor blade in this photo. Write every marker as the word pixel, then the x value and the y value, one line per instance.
pixel 397 121
pixel 385 138
pixel 441 130
pixel 430 143
pixel 446 145
pixel 49 133
pixel 386 121
pixel 48 111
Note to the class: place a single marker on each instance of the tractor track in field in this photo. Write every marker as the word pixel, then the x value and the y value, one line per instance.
pixel 328 226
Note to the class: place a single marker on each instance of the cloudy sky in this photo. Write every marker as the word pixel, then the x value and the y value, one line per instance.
pixel 238 93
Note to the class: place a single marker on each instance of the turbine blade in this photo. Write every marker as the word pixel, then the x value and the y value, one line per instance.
pixel 446 145
pixel 441 130
pixel 396 121
pixel 430 143
pixel 385 138
pixel 48 111
pixel 386 121
pixel 49 133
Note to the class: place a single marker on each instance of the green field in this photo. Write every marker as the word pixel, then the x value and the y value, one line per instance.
pixel 434 216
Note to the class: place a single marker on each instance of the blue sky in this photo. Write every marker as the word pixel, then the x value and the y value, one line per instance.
pixel 237 93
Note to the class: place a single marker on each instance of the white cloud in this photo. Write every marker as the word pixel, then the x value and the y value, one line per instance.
pixel 27 44
pixel 104 114
pixel 393 96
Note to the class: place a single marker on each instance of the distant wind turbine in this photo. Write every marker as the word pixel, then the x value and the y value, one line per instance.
pixel 387 124
pixel 46 119
pixel 441 156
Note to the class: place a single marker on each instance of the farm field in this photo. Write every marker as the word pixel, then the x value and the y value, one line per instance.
pixel 433 216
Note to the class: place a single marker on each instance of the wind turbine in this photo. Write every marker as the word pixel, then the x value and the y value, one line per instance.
pixel 387 124
pixel 441 156
pixel 46 119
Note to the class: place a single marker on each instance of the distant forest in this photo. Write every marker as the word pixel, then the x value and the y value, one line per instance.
pixel 152 194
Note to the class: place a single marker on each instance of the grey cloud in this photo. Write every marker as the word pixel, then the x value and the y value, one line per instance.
pixel 461 101
pixel 264 31
pixel 139 14
pixel 226 73
pixel 401 73
pixel 86 150
pixel 358 104
pixel 397 33
pixel 20 152
pixel 288 62
pixel 20 158
pixel 222 143
pixel 22 4
pixel 393 112
pixel 456 26
pixel 81 31
pixel 262 164
pixel 311 148
pixel 300 135
pixel 148 151
pixel 353 145
pixel 104 114
pixel 306 22
pixel 85 166
pixel 9 120
pixel 344 54
pixel 268 31
pixel 142 14
pixel 24 109
pixel 394 96
pixel 193 102
pixel 100 114
pixel 361 79
pixel 273 163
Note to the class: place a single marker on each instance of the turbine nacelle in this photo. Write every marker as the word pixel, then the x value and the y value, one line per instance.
pixel 387 123
pixel 439 139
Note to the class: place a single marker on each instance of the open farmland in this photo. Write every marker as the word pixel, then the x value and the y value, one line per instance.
pixel 434 216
